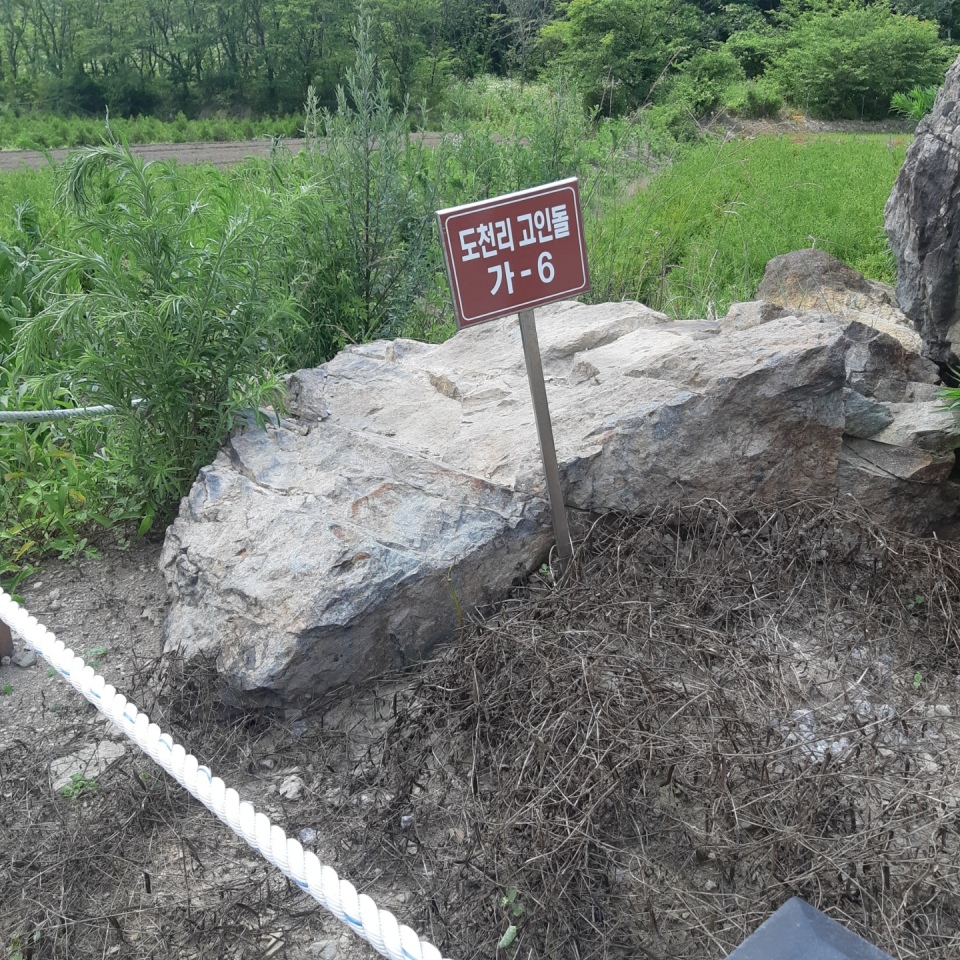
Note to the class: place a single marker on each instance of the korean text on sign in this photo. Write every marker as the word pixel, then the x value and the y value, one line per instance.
pixel 514 252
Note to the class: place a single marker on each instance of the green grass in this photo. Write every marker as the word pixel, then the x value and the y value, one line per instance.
pixel 22 185
pixel 702 230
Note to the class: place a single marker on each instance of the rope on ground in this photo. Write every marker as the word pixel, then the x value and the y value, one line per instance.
pixel 378 927
pixel 44 416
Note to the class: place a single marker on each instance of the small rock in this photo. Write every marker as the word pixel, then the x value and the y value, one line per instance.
pixel 54 594
pixel 291 788
pixel 25 658
pixel 406 822
pixel 307 835
pixel 323 950
pixel 89 762
pixel 298 728
pixel 710 885
pixel 928 765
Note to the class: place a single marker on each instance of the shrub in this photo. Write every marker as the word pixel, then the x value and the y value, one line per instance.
pixel 850 64
pixel 703 80
pixel 156 296
pixel 357 216
pixel 754 99
pixel 915 104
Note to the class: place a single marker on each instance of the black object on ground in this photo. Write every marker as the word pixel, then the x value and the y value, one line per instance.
pixel 798 931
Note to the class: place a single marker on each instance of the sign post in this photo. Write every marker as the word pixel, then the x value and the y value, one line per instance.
pixel 548 452
pixel 509 255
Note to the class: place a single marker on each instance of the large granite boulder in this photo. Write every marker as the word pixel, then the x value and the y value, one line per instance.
pixel 922 221
pixel 404 488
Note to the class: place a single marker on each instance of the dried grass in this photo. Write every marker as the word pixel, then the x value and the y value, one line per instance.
pixel 715 710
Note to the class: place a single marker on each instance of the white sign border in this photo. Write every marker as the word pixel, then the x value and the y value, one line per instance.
pixel 451 213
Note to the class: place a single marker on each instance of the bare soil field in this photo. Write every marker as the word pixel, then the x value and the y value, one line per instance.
pixel 225 154
pixel 715 710
pixel 218 154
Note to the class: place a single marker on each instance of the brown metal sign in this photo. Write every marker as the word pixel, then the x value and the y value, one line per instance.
pixel 515 252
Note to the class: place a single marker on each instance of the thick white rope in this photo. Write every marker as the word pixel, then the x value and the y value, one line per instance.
pixel 43 416
pixel 39 416
pixel 378 927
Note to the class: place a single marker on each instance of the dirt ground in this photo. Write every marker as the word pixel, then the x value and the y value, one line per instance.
pixel 218 154
pixel 197 890
pixel 715 711
pixel 225 154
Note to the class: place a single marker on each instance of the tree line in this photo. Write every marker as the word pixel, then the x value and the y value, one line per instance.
pixel 830 58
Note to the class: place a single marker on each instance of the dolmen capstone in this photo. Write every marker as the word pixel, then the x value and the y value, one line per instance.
pixel 403 488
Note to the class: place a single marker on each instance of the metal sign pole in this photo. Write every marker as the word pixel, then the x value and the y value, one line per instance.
pixel 541 412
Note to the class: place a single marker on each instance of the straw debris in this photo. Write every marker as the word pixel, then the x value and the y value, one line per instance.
pixel 716 709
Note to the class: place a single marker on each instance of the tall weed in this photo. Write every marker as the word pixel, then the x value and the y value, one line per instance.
pixel 356 214
pixel 157 297
pixel 48 500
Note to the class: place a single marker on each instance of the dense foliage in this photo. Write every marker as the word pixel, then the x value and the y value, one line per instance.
pixel 850 63
pixel 248 58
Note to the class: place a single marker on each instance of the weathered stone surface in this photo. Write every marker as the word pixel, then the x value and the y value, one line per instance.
pixel 813 280
pixel 25 658
pixel 89 762
pixel 922 221
pixel 405 486
pixel 753 313
pixel 863 417
pixel 924 425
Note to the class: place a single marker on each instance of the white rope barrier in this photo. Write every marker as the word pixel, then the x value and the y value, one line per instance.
pixel 67 413
pixel 378 927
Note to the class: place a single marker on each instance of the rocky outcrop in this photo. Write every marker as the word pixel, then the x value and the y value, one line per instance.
pixel 404 488
pixel 922 221
pixel 813 280
pixel 896 433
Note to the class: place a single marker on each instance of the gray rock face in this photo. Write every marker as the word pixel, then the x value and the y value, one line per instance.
pixel 922 221
pixel 406 489
pixel 812 280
